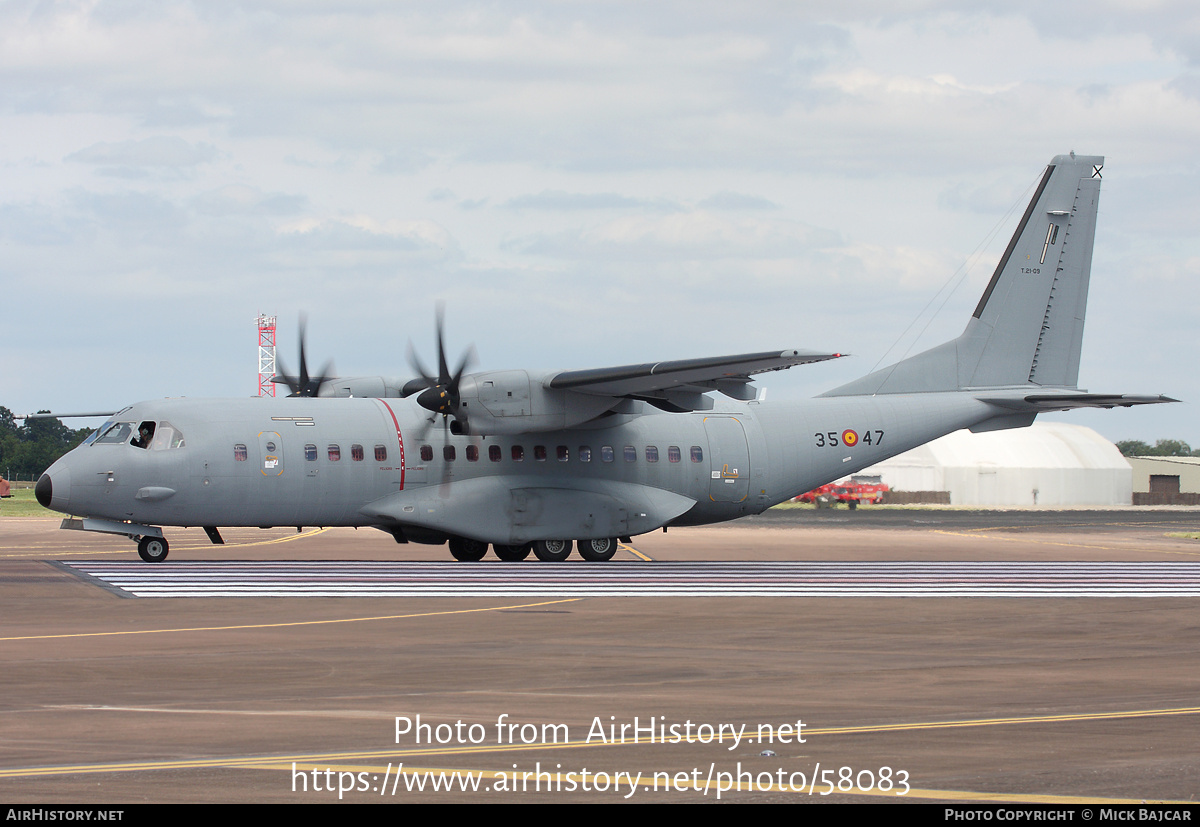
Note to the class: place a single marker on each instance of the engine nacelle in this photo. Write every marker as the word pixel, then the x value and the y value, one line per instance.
pixel 517 401
pixel 362 387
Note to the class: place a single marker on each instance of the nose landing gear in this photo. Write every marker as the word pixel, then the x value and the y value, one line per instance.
pixel 153 549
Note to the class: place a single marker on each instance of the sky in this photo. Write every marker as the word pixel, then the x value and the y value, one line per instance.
pixel 583 184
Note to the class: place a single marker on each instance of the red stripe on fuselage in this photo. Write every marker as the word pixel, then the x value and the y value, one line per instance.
pixel 399 440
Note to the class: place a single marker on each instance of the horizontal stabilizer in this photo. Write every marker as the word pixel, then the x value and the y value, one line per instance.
pixel 1068 400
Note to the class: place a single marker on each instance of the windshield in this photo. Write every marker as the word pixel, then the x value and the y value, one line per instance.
pixel 115 433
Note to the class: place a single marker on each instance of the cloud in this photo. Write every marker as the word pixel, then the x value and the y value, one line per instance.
pixel 160 151
pixel 240 199
pixel 560 200
pixel 736 202
pixel 685 236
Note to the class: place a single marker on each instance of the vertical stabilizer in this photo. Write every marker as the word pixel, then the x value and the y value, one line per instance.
pixel 1028 327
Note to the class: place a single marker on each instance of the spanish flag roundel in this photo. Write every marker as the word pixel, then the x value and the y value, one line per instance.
pixel 849 437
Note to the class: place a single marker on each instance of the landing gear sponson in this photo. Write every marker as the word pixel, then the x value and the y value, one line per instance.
pixel 550 551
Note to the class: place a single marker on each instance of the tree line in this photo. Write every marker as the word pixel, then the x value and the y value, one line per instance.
pixel 28 450
pixel 1161 448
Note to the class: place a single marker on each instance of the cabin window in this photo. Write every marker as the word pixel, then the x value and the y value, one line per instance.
pixel 563 453
pixel 335 453
pixel 472 453
pixel 239 453
pixel 380 453
pixel 310 453
pixel 356 453
pixel 518 453
pixel 674 454
pixel 630 453
pixel 606 453
pixel 426 453
pixel 585 453
pixel 539 453
pixel 448 453
pixel 494 453
pixel 697 454
pixel 651 453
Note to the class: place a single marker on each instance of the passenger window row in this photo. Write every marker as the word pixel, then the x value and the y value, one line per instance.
pixel 333 453
pixel 562 453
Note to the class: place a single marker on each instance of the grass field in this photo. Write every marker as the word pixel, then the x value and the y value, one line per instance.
pixel 24 504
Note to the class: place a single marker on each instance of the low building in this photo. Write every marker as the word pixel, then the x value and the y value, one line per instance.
pixel 1050 463
pixel 1166 480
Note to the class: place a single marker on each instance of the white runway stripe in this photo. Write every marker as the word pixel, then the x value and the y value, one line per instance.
pixel 576 579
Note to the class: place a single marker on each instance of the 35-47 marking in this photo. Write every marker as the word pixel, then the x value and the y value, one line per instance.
pixel 848 437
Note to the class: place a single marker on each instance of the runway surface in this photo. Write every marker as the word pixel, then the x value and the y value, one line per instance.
pixel 905 579
pixel 106 699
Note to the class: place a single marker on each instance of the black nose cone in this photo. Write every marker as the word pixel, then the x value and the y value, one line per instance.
pixel 44 490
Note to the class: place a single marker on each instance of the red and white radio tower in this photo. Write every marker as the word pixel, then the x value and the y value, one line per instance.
pixel 266 355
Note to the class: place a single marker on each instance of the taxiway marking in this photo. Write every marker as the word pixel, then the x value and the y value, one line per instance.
pixel 279 625
pixel 637 579
pixel 347 761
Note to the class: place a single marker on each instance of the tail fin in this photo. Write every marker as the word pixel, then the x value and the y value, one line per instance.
pixel 1028 327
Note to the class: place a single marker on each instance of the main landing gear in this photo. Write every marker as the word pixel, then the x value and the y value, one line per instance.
pixel 466 550
pixel 550 551
pixel 597 551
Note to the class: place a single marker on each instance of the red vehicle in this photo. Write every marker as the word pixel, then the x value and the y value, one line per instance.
pixel 851 492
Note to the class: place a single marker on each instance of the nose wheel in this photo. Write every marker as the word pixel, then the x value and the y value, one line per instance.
pixel 153 549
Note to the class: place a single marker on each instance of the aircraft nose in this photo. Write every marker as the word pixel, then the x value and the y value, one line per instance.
pixel 44 490
pixel 53 488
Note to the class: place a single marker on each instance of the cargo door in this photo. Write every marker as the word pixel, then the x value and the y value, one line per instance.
pixel 729 459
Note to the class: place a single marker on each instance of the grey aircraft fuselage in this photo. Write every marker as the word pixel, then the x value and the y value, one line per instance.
pixel 320 462
pixel 541 461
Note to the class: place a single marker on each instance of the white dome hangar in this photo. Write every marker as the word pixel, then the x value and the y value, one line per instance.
pixel 1050 463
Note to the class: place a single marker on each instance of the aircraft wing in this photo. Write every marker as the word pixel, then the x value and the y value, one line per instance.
pixel 676 381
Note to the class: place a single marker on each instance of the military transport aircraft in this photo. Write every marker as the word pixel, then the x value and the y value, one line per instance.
pixel 535 462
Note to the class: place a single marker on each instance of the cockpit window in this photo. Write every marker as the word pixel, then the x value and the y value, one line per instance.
pixel 145 435
pixel 166 437
pixel 116 434
pixel 105 428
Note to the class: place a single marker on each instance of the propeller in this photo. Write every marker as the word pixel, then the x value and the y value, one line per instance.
pixel 304 384
pixel 439 394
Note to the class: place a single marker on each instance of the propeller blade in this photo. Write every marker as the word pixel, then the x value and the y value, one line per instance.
pixel 443 369
pixel 305 384
pixel 441 394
